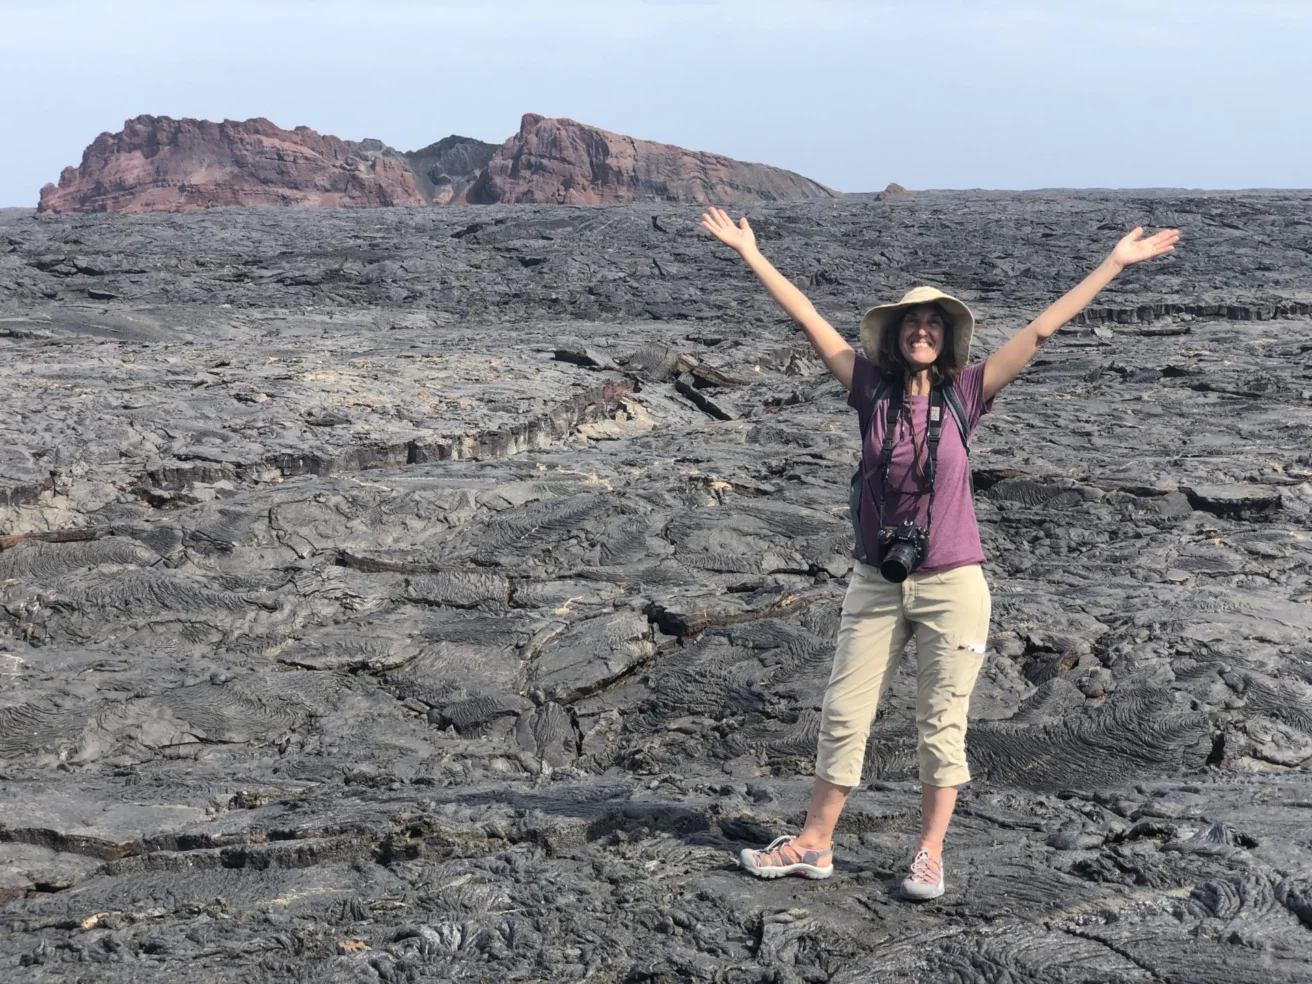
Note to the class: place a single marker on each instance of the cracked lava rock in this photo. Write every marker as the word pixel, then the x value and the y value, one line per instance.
pixel 413 595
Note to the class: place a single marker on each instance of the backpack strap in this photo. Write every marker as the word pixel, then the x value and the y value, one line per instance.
pixel 953 400
pixel 958 410
pixel 881 394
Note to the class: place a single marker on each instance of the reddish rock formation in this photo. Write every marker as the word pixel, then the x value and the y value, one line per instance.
pixel 894 190
pixel 563 162
pixel 158 164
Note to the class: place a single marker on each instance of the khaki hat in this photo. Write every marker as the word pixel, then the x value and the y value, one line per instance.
pixel 879 319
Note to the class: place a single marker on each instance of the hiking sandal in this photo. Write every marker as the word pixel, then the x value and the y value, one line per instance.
pixel 925 879
pixel 781 858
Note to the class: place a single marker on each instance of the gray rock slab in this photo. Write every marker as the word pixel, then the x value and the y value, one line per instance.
pixel 375 606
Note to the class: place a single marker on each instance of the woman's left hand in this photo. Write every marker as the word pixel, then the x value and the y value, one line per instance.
pixel 1135 249
pixel 1005 364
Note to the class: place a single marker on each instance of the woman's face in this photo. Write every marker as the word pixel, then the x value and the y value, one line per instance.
pixel 921 335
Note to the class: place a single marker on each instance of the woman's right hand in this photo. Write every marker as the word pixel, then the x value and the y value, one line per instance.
pixel 832 348
pixel 738 237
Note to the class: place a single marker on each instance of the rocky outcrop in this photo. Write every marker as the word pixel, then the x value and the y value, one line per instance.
pixel 894 190
pixel 384 591
pixel 158 164
pixel 559 161
pixel 444 171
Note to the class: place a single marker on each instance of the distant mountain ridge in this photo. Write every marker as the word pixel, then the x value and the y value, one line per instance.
pixel 159 164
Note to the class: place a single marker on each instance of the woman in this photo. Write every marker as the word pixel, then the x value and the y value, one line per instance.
pixel 916 344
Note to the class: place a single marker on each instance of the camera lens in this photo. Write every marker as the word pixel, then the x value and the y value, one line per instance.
pixel 898 562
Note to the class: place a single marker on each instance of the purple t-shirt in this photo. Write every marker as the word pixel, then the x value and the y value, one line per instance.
pixel 954 536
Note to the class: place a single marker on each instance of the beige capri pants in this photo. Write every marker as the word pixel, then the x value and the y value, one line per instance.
pixel 948 613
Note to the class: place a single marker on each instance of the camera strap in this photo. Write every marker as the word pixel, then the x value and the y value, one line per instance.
pixel 935 432
pixel 892 411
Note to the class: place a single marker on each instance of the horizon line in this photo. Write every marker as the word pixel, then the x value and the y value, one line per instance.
pixel 911 193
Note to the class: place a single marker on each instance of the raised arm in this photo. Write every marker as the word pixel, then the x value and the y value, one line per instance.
pixel 1005 364
pixel 834 352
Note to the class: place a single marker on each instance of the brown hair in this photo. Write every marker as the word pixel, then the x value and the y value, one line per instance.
pixel 892 363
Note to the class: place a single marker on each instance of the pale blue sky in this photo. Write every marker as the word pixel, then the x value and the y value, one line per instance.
pixel 930 93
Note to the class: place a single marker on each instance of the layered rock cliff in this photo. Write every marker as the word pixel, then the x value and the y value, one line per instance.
pixel 563 162
pixel 158 164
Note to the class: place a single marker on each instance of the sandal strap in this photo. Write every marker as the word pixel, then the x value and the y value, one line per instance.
pixel 925 867
pixel 781 856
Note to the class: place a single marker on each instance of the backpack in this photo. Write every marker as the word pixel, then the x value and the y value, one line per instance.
pixel 951 400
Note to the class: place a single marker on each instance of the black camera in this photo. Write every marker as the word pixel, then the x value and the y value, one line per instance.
pixel 905 547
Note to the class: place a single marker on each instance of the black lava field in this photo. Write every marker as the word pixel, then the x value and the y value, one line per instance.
pixel 406 596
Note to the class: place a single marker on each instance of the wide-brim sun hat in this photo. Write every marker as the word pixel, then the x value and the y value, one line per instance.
pixel 880 319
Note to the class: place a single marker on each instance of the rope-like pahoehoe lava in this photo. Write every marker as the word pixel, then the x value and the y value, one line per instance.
pixel 457 618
